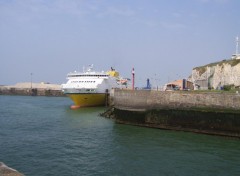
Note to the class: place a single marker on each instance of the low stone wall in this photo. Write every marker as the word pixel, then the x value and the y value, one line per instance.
pixel 211 113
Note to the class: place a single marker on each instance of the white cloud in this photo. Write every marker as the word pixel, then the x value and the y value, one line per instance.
pixel 31 9
pixel 169 25
pixel 71 7
pixel 116 11
pixel 177 15
pixel 215 1
pixel 121 12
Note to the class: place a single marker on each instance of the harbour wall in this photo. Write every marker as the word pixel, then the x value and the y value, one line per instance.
pixel 210 113
pixel 31 92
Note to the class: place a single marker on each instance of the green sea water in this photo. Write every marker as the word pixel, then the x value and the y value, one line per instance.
pixel 41 136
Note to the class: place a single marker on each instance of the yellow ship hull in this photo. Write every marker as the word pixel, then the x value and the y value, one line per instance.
pixel 88 100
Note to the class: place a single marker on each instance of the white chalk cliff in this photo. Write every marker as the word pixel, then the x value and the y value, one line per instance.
pixel 226 72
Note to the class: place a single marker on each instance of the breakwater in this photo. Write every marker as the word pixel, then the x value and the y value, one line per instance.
pixel 210 113
pixel 32 89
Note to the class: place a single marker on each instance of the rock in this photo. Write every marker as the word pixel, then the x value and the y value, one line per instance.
pixel 7 171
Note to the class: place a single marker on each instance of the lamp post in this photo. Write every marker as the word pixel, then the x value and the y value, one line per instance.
pixel 133 77
pixel 31 80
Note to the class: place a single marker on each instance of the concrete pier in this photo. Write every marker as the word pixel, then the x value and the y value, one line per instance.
pixel 210 113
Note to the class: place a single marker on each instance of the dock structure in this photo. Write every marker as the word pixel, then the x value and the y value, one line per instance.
pixel 209 113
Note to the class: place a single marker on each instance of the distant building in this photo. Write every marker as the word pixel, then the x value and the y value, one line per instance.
pixel 181 84
pixel 148 87
pixel 201 84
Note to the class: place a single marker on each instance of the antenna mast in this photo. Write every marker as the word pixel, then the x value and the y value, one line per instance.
pixel 237 41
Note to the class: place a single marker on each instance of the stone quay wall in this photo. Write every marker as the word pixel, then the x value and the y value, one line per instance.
pixel 143 99
pixel 210 113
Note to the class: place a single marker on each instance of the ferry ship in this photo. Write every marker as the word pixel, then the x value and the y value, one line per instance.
pixel 90 88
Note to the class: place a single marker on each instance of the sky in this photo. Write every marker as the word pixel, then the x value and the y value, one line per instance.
pixel 162 39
